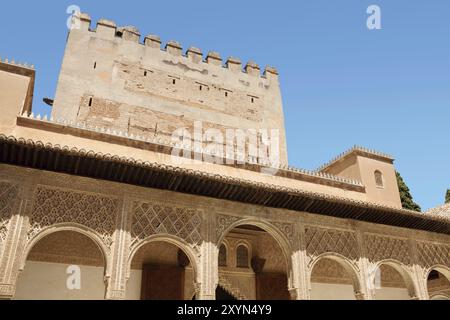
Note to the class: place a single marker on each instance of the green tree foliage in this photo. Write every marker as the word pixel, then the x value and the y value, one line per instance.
pixel 405 195
pixel 447 196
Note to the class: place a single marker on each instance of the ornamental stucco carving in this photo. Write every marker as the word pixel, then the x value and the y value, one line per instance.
pixel 53 206
pixel 223 223
pixel 321 240
pixel 8 196
pixel 379 248
pixel 287 229
pixel 155 218
pixel 430 254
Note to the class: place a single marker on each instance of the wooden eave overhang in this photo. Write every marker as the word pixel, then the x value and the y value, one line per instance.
pixel 36 155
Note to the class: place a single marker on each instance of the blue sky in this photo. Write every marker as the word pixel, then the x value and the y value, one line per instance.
pixel 342 84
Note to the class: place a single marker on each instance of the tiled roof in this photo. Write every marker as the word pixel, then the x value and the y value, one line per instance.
pixel 441 212
pixel 167 145
pixel 356 149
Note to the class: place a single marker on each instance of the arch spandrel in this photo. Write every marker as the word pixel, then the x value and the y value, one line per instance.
pixel 153 218
pixel 321 241
pixel 9 195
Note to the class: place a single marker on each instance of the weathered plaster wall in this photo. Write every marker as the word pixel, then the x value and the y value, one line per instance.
pixel 13 95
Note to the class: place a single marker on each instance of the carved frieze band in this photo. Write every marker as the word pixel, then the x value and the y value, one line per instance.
pixel 154 218
pixel 321 240
pixel 8 196
pixel 52 206
pixel 433 254
pixel 379 248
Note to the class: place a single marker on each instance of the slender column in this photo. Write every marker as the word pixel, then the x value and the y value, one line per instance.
pixel 366 282
pixel 301 289
pixel 207 277
pixel 14 246
pixel 418 274
pixel 420 283
pixel 301 281
pixel 116 275
pixel 208 272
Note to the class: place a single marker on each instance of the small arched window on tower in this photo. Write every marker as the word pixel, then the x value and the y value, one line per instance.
pixel 223 256
pixel 242 256
pixel 379 179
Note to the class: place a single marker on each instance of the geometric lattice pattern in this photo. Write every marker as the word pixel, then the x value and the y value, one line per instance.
pixel 432 254
pixel 52 206
pixel 379 248
pixel 150 218
pixel 8 197
pixel 319 240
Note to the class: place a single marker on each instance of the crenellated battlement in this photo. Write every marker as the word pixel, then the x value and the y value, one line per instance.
pixel 108 28
pixel 16 63
pixel 359 150
pixel 113 77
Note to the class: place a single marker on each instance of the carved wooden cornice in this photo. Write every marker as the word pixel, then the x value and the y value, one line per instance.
pixel 28 153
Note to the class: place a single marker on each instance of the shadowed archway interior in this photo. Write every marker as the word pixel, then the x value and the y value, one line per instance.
pixel 438 284
pixel 254 266
pixel 63 265
pixel 160 271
